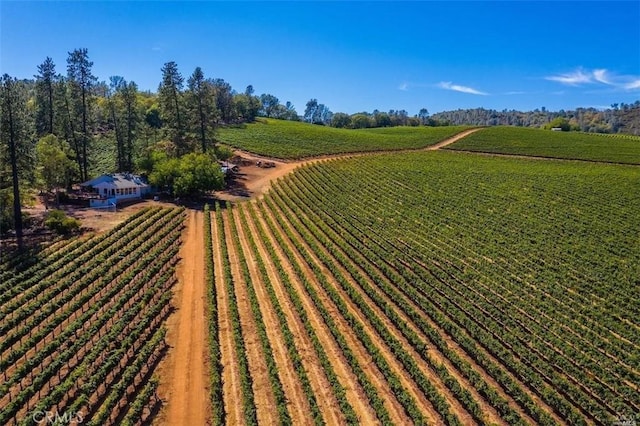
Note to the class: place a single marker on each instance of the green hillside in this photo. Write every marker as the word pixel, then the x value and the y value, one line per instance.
pixel 294 140
pixel 544 143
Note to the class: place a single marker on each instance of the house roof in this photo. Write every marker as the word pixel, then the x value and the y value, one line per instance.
pixel 116 180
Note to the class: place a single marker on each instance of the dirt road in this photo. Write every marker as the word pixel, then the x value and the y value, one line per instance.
pixel 184 384
pixel 254 181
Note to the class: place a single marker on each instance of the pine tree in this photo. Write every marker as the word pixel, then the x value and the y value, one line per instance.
pixel 170 96
pixel 45 90
pixel 129 93
pixel 202 106
pixel 14 140
pixel 81 81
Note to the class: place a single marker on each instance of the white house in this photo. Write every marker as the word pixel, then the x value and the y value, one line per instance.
pixel 116 187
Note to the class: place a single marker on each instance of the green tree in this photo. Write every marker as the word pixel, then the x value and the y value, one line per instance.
pixel 202 106
pixel 287 112
pixel 247 105
pixel 81 81
pixel 341 120
pixel 559 122
pixel 198 173
pixel 170 97
pixel 381 119
pixel 270 105
pixel 191 175
pixel 55 167
pixel 129 93
pixel 310 111
pixel 45 90
pixel 423 115
pixel 61 223
pixel 112 92
pixel 224 99
pixel 361 121
pixel 14 139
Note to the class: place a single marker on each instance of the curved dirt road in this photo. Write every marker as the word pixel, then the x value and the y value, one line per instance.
pixel 258 181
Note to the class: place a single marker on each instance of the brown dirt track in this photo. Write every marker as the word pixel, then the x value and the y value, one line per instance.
pixel 185 371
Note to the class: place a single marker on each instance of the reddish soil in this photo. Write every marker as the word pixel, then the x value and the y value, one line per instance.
pixel 184 373
pixel 231 390
pixel 297 403
pixel 354 392
pixel 264 398
pixel 451 140
pixel 365 360
pixel 321 387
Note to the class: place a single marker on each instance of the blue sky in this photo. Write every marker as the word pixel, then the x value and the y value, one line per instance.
pixel 351 56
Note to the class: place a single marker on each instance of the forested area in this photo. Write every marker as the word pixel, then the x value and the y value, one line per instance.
pixel 620 118
pixel 60 128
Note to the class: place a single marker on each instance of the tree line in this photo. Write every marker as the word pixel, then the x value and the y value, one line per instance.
pixel 59 128
pixel 620 118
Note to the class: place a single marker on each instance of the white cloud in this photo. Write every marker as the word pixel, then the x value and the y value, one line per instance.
pixel 633 85
pixel 404 87
pixel 574 78
pixel 457 88
pixel 600 76
pixel 515 92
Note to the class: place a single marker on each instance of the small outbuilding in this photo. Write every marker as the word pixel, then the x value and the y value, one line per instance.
pixel 228 168
pixel 117 187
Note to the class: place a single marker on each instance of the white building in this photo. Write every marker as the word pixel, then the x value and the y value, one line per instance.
pixel 116 187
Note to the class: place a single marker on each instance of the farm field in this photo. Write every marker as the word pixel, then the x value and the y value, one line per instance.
pixel 453 289
pixel 417 287
pixel 82 324
pixel 544 143
pixel 295 140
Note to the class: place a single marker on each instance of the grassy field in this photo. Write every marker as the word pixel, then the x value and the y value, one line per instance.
pixel 295 140
pixel 544 143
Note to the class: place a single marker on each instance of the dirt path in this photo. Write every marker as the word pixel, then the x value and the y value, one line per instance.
pixel 451 140
pixel 185 386
pixel 254 181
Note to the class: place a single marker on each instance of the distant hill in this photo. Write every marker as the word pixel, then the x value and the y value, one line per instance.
pixel 622 118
